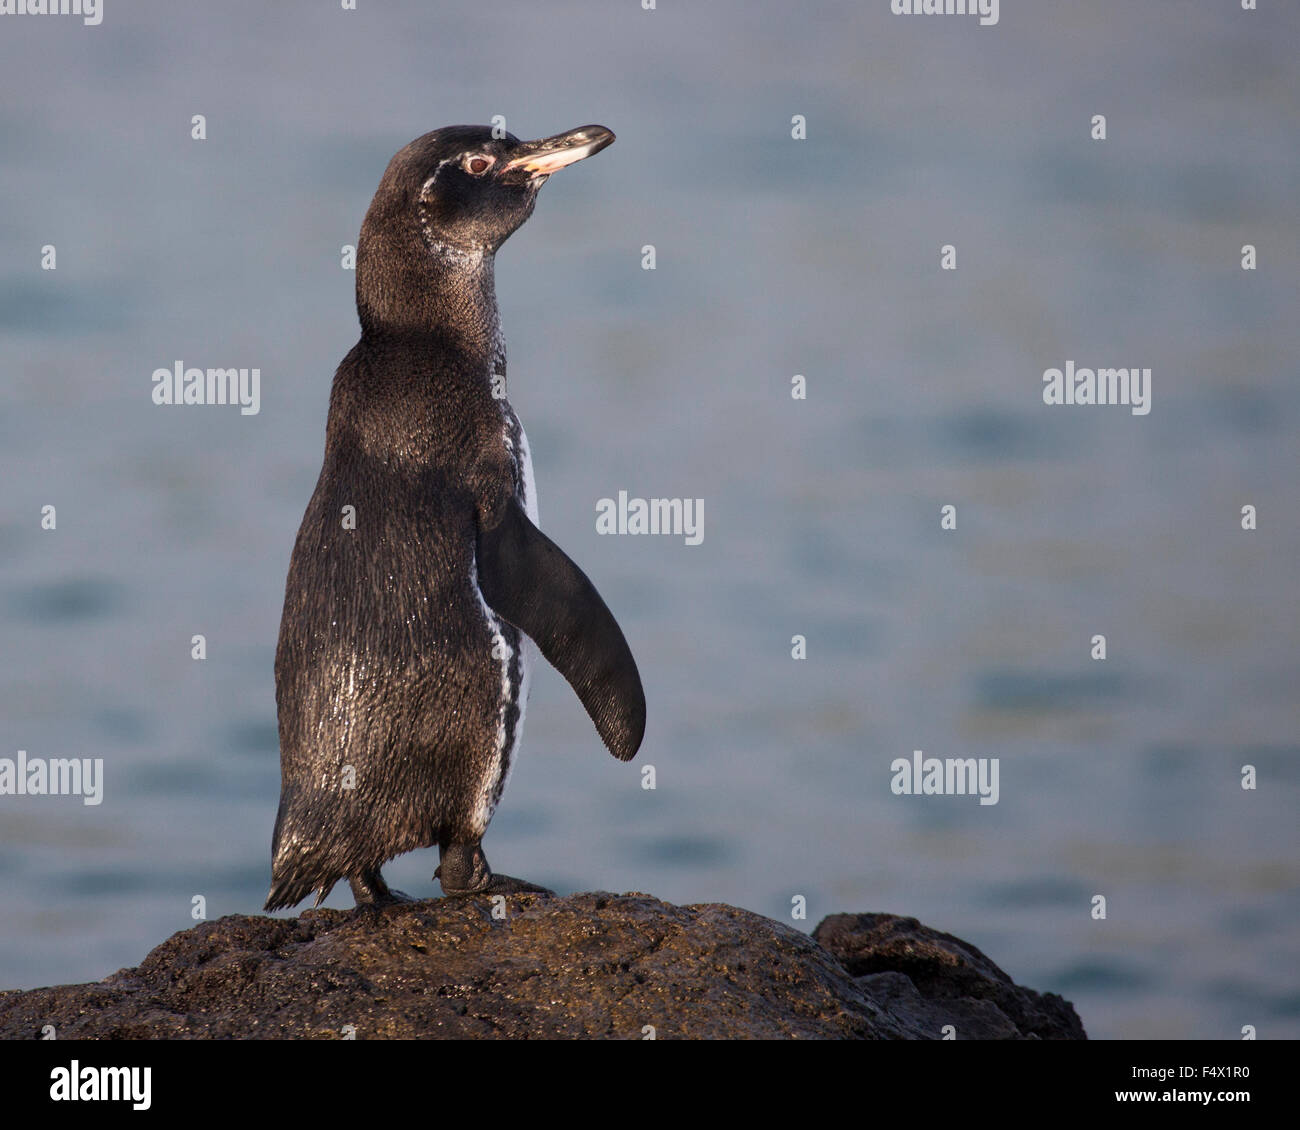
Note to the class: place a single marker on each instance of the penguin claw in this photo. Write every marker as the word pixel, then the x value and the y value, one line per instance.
pixel 508 885
pixel 497 884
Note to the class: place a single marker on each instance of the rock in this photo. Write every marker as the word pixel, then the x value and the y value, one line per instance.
pixel 583 966
pixel 938 979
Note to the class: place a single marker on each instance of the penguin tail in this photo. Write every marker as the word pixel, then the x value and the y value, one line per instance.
pixel 291 891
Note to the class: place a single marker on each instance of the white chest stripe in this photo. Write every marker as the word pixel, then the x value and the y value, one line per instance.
pixel 500 754
pixel 483 813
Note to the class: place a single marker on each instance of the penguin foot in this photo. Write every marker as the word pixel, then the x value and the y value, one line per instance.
pixel 497 884
pixel 370 890
pixel 463 870
pixel 508 885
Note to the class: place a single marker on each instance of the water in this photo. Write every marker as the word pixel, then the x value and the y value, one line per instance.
pixel 774 257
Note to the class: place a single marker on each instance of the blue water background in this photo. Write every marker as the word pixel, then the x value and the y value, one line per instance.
pixel 774 257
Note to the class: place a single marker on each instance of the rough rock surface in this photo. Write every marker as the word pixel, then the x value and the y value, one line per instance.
pixel 935 979
pixel 586 966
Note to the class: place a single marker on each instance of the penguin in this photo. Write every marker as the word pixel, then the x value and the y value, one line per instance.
pixel 419 574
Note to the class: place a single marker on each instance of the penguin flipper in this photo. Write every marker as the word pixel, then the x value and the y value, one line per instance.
pixel 530 581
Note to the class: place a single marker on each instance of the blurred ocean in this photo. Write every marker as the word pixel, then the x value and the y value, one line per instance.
pixel 775 257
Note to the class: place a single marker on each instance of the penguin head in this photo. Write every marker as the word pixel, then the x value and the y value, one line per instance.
pixel 470 189
pixel 451 198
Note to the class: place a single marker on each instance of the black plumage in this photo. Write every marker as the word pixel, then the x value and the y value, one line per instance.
pixel 400 666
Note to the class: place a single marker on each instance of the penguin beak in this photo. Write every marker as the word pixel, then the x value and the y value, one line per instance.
pixel 550 154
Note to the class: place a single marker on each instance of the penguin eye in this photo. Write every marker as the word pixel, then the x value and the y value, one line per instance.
pixel 476 165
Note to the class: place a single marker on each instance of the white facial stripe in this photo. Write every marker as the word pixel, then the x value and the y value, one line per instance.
pixel 428 184
pixel 460 256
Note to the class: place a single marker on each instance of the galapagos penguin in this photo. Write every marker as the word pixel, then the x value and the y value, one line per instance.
pixel 401 673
